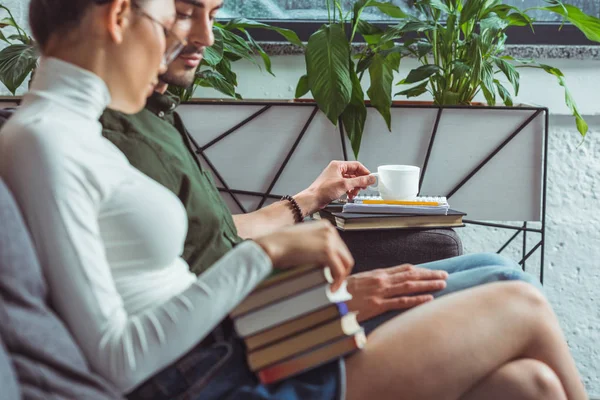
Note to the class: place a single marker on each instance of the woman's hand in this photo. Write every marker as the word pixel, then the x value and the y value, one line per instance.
pixel 309 243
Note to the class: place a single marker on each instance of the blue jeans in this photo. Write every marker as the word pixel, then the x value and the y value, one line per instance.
pixel 466 272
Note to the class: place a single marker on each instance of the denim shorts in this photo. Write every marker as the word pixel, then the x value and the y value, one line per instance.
pixel 219 371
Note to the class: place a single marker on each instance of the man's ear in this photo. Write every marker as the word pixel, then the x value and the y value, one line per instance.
pixel 118 19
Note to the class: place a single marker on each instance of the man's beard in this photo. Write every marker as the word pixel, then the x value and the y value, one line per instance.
pixel 183 78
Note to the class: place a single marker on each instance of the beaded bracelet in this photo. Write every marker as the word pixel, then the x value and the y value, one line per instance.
pixel 298 216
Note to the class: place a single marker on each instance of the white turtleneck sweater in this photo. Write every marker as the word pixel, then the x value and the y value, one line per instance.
pixel 108 237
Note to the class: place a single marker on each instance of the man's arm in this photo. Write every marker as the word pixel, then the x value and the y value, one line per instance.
pixel 339 178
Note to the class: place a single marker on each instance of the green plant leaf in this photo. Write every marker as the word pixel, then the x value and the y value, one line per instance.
pixel 420 73
pixel 302 88
pixel 371 33
pixel 215 80
pixel 423 48
pixel 397 32
pixel 224 68
pixel 3 38
pixel 510 72
pixel 380 91
pixel 439 5
pixel 487 83
pixel 244 23
pixel 234 44
pixel 470 10
pixel 214 54
pixel 589 25
pixel 388 9
pixel 414 91
pixel 364 62
pixel 504 94
pixel 17 61
pixel 328 70
pixel 391 54
pixel 355 114
pixel 258 48
pixel 582 126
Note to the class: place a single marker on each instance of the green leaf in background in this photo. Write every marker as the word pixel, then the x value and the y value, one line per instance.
pixel 414 91
pixel 265 57
pixel 214 54
pixel 439 5
pixel 355 114
pixel 215 80
pixel 302 88
pixel 3 38
pixel 487 83
pixel 589 25
pixel 392 54
pixel 224 68
pixel 364 63
pixel 388 9
pixel 371 33
pixel 327 55
pixel 290 35
pixel 419 74
pixel 380 91
pixel 16 63
pixel 504 94
pixel 582 126
pixel 470 10
pixel 510 72
pixel 234 44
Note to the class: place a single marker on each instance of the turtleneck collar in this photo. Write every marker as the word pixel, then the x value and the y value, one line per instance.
pixel 78 89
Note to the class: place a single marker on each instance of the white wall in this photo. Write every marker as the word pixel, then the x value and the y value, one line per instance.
pixel 573 237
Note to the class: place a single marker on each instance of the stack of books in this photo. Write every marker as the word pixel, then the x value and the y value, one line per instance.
pixel 292 323
pixel 372 212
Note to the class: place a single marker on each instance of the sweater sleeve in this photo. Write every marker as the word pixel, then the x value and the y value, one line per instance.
pixel 61 202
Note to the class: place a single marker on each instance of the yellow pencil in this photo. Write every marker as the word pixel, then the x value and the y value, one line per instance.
pixel 402 202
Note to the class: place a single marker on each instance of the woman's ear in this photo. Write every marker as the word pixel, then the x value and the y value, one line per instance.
pixel 118 19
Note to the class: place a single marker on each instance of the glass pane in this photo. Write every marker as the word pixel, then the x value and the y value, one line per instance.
pixel 317 9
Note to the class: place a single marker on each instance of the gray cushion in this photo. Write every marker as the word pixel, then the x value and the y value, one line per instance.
pixel 386 248
pixel 48 363
pixel 8 379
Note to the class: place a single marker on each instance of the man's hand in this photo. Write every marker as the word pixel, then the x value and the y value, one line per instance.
pixel 398 288
pixel 339 178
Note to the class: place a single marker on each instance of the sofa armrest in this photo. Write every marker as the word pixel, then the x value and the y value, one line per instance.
pixel 386 248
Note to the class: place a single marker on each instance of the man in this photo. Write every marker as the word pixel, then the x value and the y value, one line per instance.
pixel 155 142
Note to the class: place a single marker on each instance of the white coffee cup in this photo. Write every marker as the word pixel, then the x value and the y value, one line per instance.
pixel 397 182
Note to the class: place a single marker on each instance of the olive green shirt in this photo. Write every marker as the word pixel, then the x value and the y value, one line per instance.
pixel 154 141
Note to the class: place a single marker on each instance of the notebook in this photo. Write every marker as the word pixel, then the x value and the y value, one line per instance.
pixel 361 221
pixel 412 207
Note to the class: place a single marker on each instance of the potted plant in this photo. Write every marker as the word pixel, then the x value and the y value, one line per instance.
pixel 458 43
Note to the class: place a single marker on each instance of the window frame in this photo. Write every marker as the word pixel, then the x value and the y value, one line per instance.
pixel 546 33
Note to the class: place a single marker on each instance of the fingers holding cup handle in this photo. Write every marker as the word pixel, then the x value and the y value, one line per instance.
pixel 375 186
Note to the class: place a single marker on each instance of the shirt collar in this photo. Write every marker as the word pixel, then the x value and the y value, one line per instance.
pixel 76 88
pixel 159 103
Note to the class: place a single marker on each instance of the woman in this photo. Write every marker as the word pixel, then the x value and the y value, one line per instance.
pixel 110 240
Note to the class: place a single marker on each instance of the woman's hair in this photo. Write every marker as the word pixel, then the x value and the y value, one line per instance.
pixel 47 17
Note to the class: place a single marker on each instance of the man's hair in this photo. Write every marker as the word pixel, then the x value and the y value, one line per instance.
pixel 47 17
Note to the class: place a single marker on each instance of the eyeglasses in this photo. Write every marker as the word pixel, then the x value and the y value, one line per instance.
pixel 175 44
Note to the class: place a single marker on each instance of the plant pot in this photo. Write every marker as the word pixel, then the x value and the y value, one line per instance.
pixel 488 160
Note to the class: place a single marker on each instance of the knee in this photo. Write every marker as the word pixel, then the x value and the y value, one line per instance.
pixel 545 383
pixel 499 260
pixel 525 297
